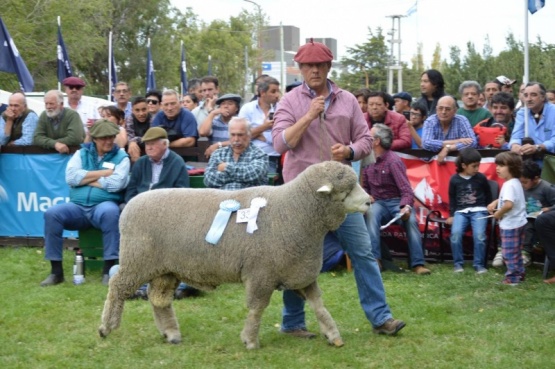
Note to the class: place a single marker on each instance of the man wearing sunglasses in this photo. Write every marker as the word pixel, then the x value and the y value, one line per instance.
pixel 74 88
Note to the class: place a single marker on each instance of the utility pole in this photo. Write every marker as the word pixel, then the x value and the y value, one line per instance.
pixel 395 64
pixel 258 35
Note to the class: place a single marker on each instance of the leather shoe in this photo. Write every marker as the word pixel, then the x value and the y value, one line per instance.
pixel 421 270
pixel 299 333
pixel 549 281
pixel 52 280
pixel 390 327
pixel 105 279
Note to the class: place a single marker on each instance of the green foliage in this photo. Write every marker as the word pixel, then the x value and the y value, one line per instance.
pixel 453 321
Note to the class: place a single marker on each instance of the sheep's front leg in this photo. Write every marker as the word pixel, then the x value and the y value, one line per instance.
pixel 325 320
pixel 160 294
pixel 258 298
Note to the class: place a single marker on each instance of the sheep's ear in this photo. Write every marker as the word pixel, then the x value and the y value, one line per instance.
pixel 325 189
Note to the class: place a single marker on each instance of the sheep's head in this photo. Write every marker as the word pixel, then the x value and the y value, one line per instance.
pixel 340 183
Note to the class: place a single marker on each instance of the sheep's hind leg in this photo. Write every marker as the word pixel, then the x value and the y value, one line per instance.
pixel 258 299
pixel 325 320
pixel 119 289
pixel 160 294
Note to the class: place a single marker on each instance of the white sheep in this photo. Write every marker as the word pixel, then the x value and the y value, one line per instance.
pixel 163 241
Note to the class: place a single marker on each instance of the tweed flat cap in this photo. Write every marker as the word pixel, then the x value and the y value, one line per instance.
pixel 103 128
pixel 154 133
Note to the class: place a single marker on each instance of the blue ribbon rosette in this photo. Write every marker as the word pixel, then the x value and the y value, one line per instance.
pixel 220 220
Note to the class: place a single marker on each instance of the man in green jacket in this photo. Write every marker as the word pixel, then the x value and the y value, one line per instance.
pixel 58 127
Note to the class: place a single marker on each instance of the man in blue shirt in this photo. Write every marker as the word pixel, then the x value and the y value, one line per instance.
pixel 179 123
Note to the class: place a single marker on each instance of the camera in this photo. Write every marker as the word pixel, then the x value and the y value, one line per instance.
pixel 271 116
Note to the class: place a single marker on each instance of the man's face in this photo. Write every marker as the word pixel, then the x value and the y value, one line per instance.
pixel 528 183
pixel 446 110
pixel 362 103
pixel 170 106
pixel 401 105
pixel 507 88
pixel 122 94
pixel 376 108
pixel 153 104
pixel 16 103
pixel 140 112
pixel 426 87
pixel 209 90
pixel 521 92
pixel 491 89
pixel 550 97
pixel 238 137
pixel 271 96
pixel 534 98
pixel 315 75
pixel 74 92
pixel 501 113
pixel 104 144
pixel 228 108
pixel 51 106
pixel 155 149
pixel 196 91
pixel 481 100
pixel 416 118
pixel 469 98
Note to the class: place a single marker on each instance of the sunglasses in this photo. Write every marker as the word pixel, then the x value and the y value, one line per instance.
pixel 151 101
pixel 75 87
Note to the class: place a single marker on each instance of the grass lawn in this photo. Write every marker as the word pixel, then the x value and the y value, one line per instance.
pixel 453 321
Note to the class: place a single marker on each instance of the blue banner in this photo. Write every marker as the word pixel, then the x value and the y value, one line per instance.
pixel 150 80
pixel 64 66
pixel 29 185
pixel 184 86
pixel 11 61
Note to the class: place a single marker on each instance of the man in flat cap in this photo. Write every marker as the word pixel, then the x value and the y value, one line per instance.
pixel 97 175
pixel 215 125
pixel 318 121
pixel 74 88
pixel 159 168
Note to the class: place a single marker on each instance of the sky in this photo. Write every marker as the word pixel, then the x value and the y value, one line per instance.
pixel 447 22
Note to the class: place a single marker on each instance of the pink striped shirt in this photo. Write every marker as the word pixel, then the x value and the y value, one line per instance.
pixel 344 123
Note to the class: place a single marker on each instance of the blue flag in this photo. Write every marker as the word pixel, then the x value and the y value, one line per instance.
pixel 11 61
pixel 64 66
pixel 183 71
pixel 114 76
pixel 150 80
pixel 535 5
pixel 412 9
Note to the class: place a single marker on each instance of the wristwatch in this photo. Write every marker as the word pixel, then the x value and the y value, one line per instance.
pixel 538 148
pixel 219 145
pixel 448 147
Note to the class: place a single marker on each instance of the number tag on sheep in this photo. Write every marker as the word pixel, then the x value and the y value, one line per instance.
pixel 163 242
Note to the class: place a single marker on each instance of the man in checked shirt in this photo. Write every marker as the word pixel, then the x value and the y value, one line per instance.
pixel 390 192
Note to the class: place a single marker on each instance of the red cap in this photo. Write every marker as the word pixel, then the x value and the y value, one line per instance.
pixel 73 81
pixel 313 52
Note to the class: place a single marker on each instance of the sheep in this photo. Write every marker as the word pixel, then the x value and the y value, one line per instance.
pixel 163 241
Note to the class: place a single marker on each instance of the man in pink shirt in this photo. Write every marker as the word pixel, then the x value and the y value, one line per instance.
pixel 315 122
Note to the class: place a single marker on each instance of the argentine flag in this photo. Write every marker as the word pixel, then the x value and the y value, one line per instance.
pixel 412 9
pixel 535 5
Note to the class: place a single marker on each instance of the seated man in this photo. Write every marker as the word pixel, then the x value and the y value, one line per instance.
pixel 215 125
pixel 502 108
pixel 97 175
pixel 239 165
pixel 18 122
pixel 446 131
pixel 136 125
pixel 177 121
pixel 378 110
pixel 58 127
pixel 159 168
pixel 387 184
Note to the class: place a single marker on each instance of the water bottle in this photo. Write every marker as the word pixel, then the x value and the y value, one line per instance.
pixel 79 268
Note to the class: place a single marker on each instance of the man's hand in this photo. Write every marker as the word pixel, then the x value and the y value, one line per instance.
pixel 340 152
pixel 210 150
pixel 209 103
pixel 449 221
pixel 528 149
pixel 10 115
pixel 221 167
pixel 465 141
pixel 500 140
pixel 134 151
pixel 442 155
pixel 317 106
pixel 61 148
pixel 405 211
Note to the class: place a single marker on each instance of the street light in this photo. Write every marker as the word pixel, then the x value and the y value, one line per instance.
pixel 258 34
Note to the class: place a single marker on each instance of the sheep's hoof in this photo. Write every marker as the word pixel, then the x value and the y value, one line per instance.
pixel 338 342
pixel 173 338
pixel 252 345
pixel 103 332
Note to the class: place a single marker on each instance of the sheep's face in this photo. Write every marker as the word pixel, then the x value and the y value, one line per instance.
pixel 340 182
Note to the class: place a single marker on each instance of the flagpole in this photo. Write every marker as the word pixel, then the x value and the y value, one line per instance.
pixel 59 84
pixel 110 65
pixel 182 93
pixel 526 77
